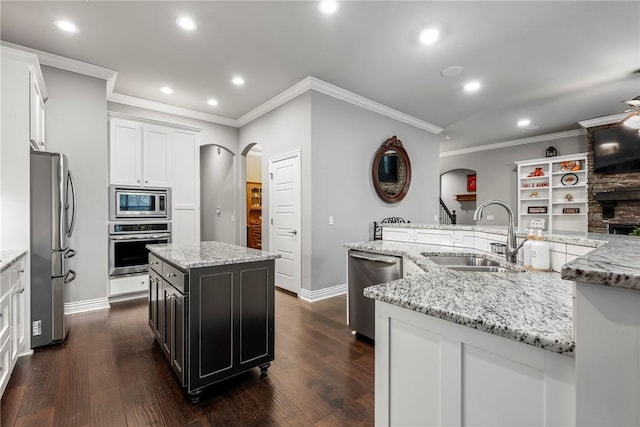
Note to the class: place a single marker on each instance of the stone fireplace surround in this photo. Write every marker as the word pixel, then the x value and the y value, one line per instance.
pixel 614 198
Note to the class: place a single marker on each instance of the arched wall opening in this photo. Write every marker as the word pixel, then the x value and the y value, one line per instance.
pixel 217 194
pixel 455 183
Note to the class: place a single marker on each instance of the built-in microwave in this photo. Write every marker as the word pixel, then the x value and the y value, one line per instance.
pixel 138 203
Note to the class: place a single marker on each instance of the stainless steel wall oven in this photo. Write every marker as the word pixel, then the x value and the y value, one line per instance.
pixel 127 245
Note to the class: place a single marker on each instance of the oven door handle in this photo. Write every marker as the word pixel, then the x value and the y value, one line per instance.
pixel 141 237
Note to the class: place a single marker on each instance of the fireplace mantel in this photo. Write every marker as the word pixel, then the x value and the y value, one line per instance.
pixel 608 199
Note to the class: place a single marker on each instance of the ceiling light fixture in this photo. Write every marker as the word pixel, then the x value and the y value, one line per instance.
pixel 328 7
pixel 632 121
pixel 472 86
pixel 429 36
pixel 212 102
pixel 67 26
pixel 523 123
pixel 186 23
pixel 237 80
pixel 166 90
pixel 452 71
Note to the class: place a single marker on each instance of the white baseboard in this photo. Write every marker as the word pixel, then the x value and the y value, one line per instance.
pixel 128 297
pixel 86 305
pixel 320 294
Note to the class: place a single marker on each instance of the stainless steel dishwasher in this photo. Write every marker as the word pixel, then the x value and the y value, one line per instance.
pixel 367 269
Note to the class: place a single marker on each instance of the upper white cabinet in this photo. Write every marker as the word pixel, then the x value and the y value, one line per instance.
pixel 37 98
pixel 139 154
pixel 554 189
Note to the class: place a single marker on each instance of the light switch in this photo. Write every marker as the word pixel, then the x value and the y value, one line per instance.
pixel 330 220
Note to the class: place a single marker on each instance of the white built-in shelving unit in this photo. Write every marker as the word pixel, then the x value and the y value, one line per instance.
pixel 553 189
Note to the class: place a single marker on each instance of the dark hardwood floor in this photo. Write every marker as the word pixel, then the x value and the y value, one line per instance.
pixel 109 373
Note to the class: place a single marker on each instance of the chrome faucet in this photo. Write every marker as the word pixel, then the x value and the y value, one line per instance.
pixel 511 252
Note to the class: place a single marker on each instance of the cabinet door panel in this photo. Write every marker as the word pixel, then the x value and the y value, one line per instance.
pixel 156 157
pixel 178 305
pixel 254 319
pixel 125 146
pixel 185 168
pixel 167 320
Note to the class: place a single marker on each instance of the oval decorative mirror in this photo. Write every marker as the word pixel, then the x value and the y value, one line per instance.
pixel 391 171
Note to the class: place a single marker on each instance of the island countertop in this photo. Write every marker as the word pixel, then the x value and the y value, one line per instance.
pixel 8 257
pixel 531 307
pixel 207 254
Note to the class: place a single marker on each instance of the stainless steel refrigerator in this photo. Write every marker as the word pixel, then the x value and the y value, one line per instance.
pixel 53 215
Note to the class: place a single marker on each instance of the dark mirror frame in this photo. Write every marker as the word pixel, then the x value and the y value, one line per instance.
pixel 394 144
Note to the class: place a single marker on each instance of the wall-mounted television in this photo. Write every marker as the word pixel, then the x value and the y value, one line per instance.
pixel 616 150
pixel 388 168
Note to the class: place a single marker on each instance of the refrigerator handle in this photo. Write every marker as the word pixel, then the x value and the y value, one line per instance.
pixel 71 253
pixel 68 279
pixel 73 190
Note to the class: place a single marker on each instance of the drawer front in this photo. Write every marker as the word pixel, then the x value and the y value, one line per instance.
pixel 5 363
pixel 174 276
pixel 5 281
pixel 155 263
pixel 129 284
pixel 5 303
pixel 17 270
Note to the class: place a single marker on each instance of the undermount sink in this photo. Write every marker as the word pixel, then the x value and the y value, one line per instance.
pixel 469 263
pixel 463 261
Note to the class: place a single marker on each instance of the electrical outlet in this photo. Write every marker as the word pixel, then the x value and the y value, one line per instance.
pixel 435 218
pixel 330 220
pixel 490 217
pixel 233 218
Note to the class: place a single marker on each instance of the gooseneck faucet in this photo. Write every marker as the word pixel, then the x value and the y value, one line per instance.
pixel 512 245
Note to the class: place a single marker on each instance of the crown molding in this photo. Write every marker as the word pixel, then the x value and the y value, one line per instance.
pixel 119 98
pixel 599 121
pixel 515 142
pixel 117 115
pixel 366 103
pixel 67 64
pixel 12 51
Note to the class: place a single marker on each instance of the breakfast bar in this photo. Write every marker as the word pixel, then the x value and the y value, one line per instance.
pixel 211 309
pixel 512 347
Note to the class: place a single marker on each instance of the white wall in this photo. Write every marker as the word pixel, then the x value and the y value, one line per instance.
pixel 217 190
pixel 345 139
pixel 452 183
pixel 76 125
pixel 496 170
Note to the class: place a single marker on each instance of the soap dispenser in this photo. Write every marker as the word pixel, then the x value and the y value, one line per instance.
pixel 526 248
pixel 540 257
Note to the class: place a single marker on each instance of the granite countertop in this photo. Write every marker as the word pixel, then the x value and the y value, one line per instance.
pixel 615 261
pixel 8 257
pixel 531 307
pixel 207 254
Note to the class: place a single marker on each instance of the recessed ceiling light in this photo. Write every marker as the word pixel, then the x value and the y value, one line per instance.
pixel 166 90
pixel 328 7
pixel 472 86
pixel 186 23
pixel 67 26
pixel 452 71
pixel 523 123
pixel 237 80
pixel 429 36
pixel 212 102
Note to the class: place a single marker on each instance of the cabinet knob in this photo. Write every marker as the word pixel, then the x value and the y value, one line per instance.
pixel 171 274
pixel 1 315
pixel 154 262
pixel 21 290
pixel 21 270
pixel 146 182
pixel 138 181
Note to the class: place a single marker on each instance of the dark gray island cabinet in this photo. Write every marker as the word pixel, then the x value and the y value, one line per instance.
pixel 211 309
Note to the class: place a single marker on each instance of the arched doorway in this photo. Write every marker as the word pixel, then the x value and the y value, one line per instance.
pixel 253 193
pixel 217 194
pixel 458 193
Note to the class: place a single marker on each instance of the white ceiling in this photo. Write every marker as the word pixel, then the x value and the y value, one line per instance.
pixel 556 63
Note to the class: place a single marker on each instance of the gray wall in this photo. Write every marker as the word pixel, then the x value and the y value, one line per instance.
pixel 452 183
pixel 496 170
pixel 76 125
pixel 345 139
pixel 254 168
pixel 217 189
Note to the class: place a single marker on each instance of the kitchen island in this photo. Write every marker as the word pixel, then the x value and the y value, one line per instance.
pixel 508 348
pixel 211 309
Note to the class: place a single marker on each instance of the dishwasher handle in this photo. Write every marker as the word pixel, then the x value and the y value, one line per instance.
pixel 374 259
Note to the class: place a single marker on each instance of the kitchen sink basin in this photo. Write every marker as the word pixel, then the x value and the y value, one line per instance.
pixel 463 261
pixel 481 268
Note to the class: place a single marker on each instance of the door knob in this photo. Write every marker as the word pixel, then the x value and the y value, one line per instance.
pixel 294 232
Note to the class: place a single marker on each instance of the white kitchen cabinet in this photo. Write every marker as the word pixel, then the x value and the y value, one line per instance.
pixel 550 189
pixel 139 154
pixel 406 235
pixel 128 285
pixel 434 236
pixel 13 338
pixel 37 99
pixel 185 179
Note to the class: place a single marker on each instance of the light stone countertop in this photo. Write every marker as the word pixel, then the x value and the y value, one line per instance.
pixel 207 254
pixel 615 261
pixel 531 307
pixel 8 257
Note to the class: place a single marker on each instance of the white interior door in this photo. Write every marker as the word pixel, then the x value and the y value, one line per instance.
pixel 284 211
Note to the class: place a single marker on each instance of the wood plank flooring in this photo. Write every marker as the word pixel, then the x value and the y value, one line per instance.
pixel 109 373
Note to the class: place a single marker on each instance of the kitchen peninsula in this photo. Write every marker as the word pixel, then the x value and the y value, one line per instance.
pixel 513 347
pixel 211 309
